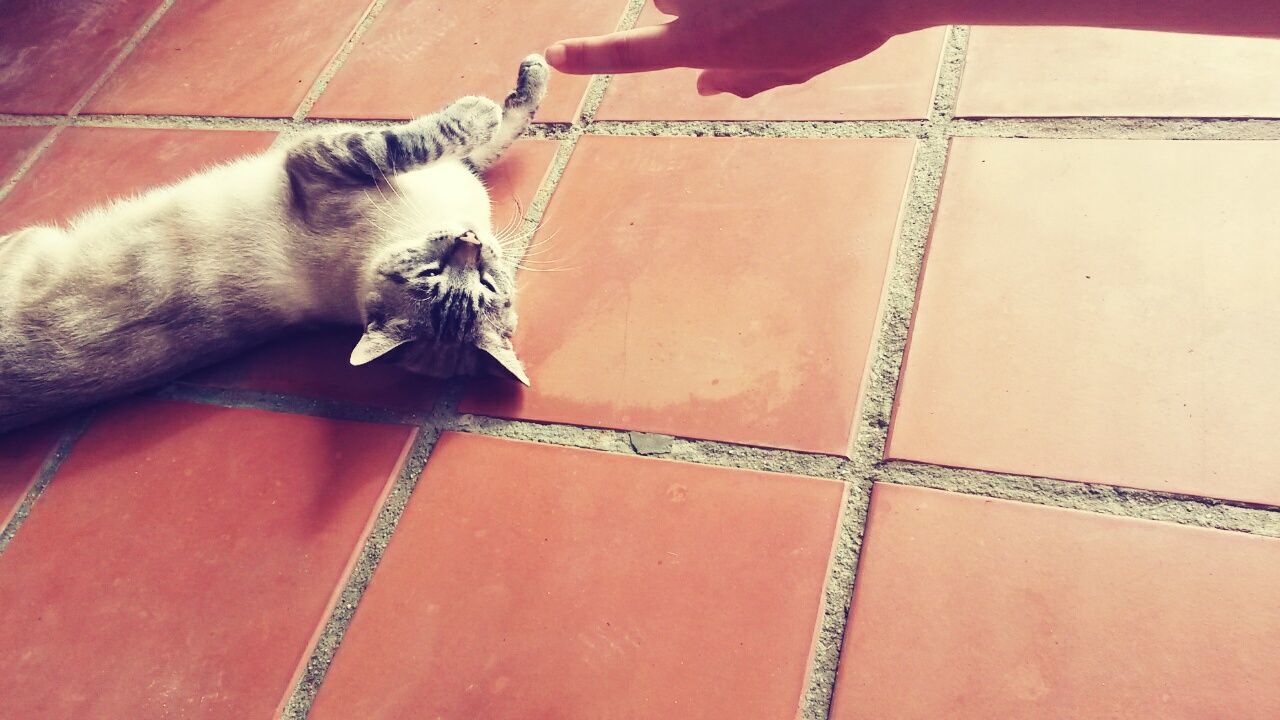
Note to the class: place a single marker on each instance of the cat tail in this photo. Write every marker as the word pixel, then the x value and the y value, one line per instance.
pixel 517 111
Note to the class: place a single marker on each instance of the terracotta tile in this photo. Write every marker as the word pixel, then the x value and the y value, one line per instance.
pixel 614 587
pixel 53 52
pixel 315 364
pixel 968 607
pixel 16 143
pixel 22 453
pixel 419 55
pixel 248 58
pixel 86 167
pixel 1104 311
pixel 1049 72
pixel 733 288
pixel 893 83
pixel 182 560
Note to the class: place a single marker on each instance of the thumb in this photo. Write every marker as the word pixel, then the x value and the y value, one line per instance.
pixel 747 83
pixel 649 48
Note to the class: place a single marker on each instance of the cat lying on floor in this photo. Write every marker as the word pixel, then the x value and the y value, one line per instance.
pixel 389 228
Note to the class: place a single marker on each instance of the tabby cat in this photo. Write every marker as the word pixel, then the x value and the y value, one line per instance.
pixel 388 228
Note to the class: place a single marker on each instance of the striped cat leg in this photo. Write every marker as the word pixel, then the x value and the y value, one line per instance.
pixel 517 111
pixel 360 158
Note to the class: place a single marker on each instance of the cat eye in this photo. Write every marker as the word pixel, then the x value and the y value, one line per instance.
pixel 430 271
pixel 487 282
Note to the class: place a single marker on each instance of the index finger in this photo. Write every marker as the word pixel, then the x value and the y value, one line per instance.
pixel 648 48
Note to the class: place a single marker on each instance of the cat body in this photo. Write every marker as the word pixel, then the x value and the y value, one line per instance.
pixel 387 228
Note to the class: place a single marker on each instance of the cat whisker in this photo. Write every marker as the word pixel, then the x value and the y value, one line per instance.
pixel 399 223
pixel 403 200
pixel 533 269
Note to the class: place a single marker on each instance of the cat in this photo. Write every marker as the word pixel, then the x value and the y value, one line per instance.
pixel 385 228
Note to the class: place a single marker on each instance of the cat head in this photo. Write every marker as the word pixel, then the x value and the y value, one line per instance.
pixel 444 305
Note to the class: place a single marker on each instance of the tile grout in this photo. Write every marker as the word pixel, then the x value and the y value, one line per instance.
pixel 1080 128
pixel 339 59
pixel 299 699
pixel 53 461
pixel 60 121
pixel 875 401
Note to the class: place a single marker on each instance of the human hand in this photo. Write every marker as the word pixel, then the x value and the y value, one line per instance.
pixel 743 47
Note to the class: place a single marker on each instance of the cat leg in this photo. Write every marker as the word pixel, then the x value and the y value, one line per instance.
pixel 517 111
pixel 361 158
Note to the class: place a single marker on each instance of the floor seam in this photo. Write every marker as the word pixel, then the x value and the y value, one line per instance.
pixel 44 476
pixel 335 64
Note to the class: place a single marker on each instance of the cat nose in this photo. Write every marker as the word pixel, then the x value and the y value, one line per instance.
pixel 466 251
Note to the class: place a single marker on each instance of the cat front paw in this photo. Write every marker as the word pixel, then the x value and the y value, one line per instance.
pixel 479 118
pixel 531 83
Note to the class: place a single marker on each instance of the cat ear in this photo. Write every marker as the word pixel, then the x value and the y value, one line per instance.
pixel 499 348
pixel 375 343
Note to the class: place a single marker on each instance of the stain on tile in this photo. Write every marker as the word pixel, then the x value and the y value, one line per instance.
pixel 713 288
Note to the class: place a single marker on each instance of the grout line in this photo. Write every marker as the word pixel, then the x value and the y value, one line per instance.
pixel 1094 498
pixel 30 161
pixel 301 697
pixel 837 595
pixel 1118 128
pixel 876 401
pixel 276 402
pixel 762 128
pixel 43 477
pixel 1062 128
pixel 133 42
pixel 599 85
pixel 60 122
pixel 183 122
pixel 339 58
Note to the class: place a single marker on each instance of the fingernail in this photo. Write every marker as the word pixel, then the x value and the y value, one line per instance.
pixel 556 55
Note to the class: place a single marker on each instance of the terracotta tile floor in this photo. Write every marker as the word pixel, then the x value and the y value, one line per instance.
pixel 1053 72
pixel 420 54
pixel 606 569
pixel 1157 373
pixel 54 52
pixel 1036 612
pixel 637 349
pixel 183 559
pixel 806 321
pixel 254 58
